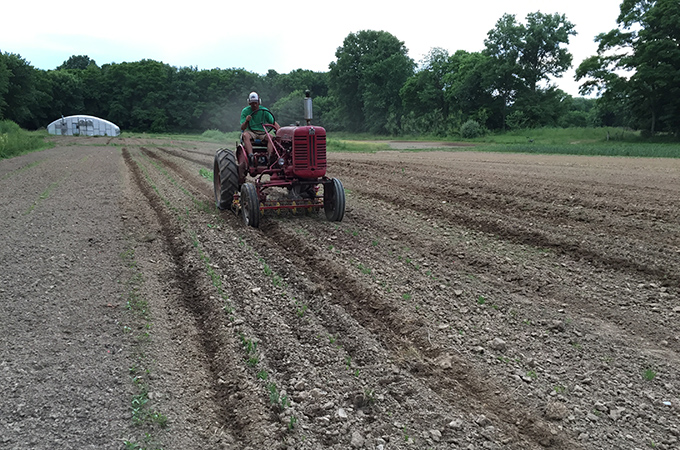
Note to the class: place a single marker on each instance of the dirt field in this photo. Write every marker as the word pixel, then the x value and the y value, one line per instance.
pixel 467 300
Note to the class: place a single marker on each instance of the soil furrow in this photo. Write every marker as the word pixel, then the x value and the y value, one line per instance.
pixel 461 384
pixel 203 162
pixel 517 230
pixel 207 317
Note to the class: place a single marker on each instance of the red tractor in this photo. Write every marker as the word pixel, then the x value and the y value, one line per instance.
pixel 295 179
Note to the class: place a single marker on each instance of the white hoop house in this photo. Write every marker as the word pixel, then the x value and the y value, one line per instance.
pixel 83 126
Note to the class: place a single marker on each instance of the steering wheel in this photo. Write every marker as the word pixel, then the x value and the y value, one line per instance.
pixel 264 125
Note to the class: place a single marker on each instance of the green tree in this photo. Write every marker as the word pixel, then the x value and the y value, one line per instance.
pixel 80 62
pixel 503 47
pixel 423 96
pixel 59 93
pixel 223 94
pixel 424 91
pixel 184 106
pixel 523 56
pixel 542 55
pixel 96 97
pixel 581 112
pixel 469 89
pixel 315 82
pixel 66 93
pixel 137 94
pixel 371 68
pixel 637 66
pixel 20 98
pixel 4 85
pixel 542 107
pixel 290 109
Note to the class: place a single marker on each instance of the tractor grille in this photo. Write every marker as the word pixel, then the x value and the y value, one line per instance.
pixel 309 152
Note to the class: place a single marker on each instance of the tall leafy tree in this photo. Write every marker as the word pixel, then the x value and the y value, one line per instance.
pixel 290 109
pixel 543 55
pixel 469 89
pixel 424 91
pixel 423 96
pixel 523 56
pixel 504 47
pixel 581 112
pixel 370 69
pixel 137 94
pixel 60 93
pixel 184 107
pixel 446 91
pixel 77 62
pixel 4 85
pixel 21 95
pixel 637 66
pixel 95 91
pixel 542 107
pixel 300 79
pixel 223 94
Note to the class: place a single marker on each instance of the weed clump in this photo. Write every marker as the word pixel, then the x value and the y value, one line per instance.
pixel 471 129
pixel 14 141
pixel 215 136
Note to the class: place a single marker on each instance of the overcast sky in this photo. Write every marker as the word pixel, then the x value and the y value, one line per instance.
pixel 283 36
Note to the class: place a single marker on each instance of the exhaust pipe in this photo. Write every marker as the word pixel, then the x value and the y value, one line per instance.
pixel 308 107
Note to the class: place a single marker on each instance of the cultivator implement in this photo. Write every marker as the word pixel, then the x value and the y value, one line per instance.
pixel 278 207
pixel 292 206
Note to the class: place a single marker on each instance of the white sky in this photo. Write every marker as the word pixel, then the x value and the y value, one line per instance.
pixel 283 36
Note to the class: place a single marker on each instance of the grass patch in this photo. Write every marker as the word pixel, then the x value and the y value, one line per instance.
pixel 218 136
pixel 365 270
pixel 206 136
pixel 278 401
pixel 337 145
pixel 604 141
pixel 15 141
pixel 647 150
pixel 553 136
pixel 649 374
pixel 205 173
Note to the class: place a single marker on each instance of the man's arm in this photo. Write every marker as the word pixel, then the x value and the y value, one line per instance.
pixel 244 124
pixel 245 118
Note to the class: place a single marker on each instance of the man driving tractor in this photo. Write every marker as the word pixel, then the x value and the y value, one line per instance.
pixel 252 118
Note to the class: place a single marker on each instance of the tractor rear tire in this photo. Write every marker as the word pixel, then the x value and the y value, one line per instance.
pixel 250 205
pixel 225 178
pixel 334 200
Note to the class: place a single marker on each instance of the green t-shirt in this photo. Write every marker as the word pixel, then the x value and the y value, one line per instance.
pixel 262 115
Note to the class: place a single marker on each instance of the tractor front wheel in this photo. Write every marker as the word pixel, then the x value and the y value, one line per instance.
pixel 225 178
pixel 250 205
pixel 334 200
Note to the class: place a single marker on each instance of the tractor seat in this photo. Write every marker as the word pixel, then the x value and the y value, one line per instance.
pixel 257 142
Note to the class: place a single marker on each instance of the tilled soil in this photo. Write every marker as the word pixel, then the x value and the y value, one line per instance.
pixel 467 300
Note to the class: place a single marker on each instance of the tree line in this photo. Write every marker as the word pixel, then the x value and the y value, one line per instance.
pixel 374 86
